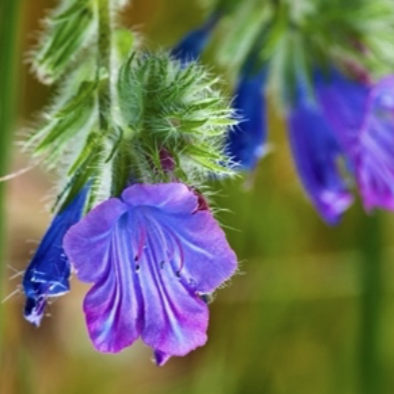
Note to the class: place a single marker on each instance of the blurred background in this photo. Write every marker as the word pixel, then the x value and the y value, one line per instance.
pixel 311 311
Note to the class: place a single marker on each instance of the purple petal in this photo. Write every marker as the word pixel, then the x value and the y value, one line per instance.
pixel 316 153
pixel 374 151
pixel 343 102
pixel 160 358
pixel 149 260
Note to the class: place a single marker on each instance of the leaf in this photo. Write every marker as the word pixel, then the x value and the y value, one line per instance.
pixel 65 128
pixel 82 177
pixel 208 164
pixel 85 92
pixel 90 146
pixel 77 7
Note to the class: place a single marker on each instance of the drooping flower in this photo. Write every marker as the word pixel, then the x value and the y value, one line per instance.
pixel 373 154
pixel 193 44
pixel 343 103
pixel 316 153
pixel 246 143
pixel 363 117
pixel 48 272
pixel 151 256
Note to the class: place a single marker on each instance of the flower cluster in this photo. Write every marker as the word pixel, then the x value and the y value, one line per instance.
pixel 136 136
pixel 348 122
pixel 340 124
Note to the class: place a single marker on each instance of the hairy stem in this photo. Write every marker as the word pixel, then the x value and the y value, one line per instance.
pixel 104 61
pixel 9 18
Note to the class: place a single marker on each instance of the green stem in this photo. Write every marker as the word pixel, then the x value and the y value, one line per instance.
pixel 104 61
pixel 9 13
pixel 371 305
pixel 9 29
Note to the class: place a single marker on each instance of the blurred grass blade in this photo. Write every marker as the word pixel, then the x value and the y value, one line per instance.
pixel 9 32
pixel 371 265
pixel 9 22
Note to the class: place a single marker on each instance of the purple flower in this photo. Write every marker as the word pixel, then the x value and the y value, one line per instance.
pixel 316 153
pixel 373 154
pixel 48 272
pixel 246 142
pixel 363 119
pixel 343 103
pixel 151 256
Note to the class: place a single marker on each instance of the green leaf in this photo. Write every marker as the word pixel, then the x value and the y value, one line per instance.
pixel 65 128
pixel 90 146
pixel 210 165
pixel 77 7
pixel 85 92
pixel 82 177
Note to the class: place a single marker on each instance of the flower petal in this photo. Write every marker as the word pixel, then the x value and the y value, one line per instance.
pixel 374 151
pixel 343 102
pixel 246 142
pixel 151 259
pixel 48 272
pixel 316 153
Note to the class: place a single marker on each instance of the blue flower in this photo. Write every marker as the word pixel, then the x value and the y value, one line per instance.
pixel 350 121
pixel 246 142
pixel 151 256
pixel 316 153
pixel 193 44
pixel 364 121
pixel 48 272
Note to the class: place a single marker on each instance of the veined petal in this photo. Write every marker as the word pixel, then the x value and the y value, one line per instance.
pixel 343 102
pixel 316 153
pixel 153 256
pixel 247 141
pixel 374 151
pixel 48 272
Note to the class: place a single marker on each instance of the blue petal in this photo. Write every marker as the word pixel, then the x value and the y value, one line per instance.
pixel 193 44
pixel 246 142
pixel 343 102
pixel 316 153
pixel 48 272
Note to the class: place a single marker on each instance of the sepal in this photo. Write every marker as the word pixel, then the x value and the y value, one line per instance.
pixel 68 30
pixel 166 104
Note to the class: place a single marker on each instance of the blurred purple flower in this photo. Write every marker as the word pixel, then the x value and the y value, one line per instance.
pixel 363 117
pixel 48 272
pixel 373 155
pixel 246 143
pixel 316 152
pixel 151 255
pixel 350 121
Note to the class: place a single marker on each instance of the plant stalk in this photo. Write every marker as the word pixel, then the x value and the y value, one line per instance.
pixel 371 265
pixel 9 29
pixel 104 61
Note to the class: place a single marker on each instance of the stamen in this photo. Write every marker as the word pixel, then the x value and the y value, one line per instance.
pixel 141 244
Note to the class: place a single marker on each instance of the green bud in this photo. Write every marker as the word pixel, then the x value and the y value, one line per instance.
pixel 169 106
